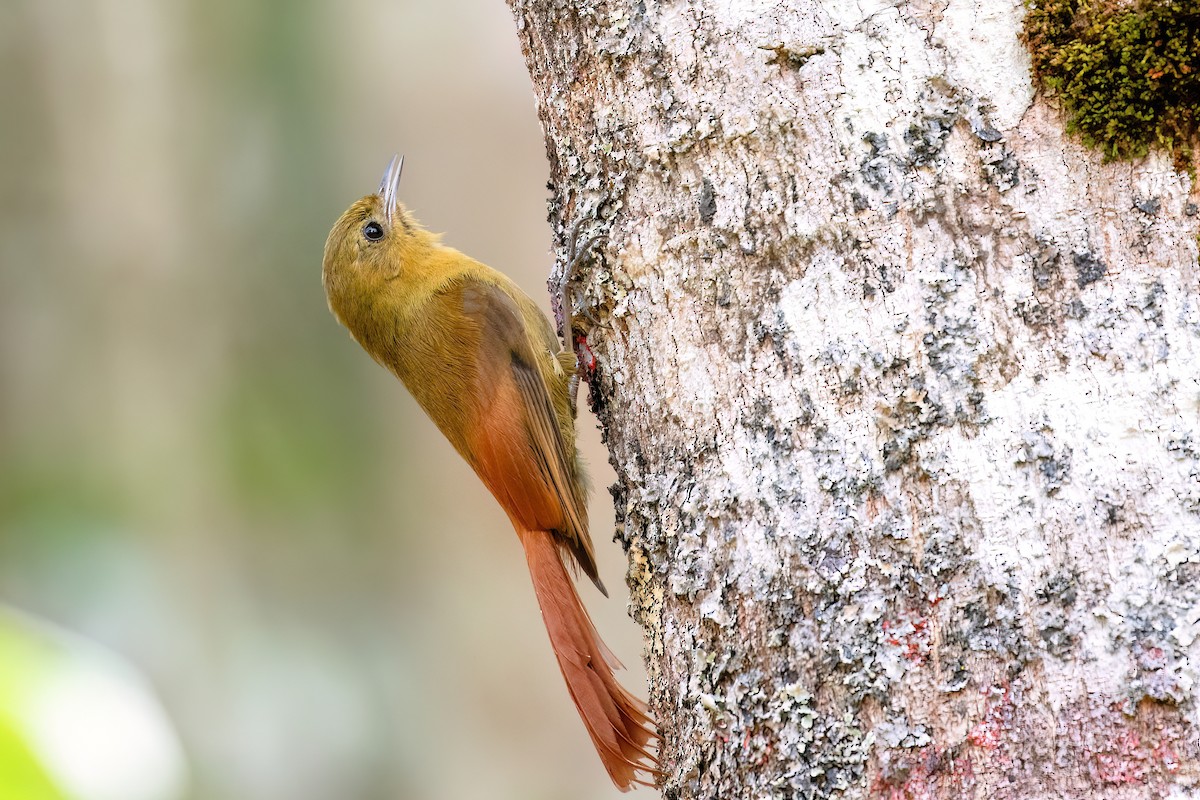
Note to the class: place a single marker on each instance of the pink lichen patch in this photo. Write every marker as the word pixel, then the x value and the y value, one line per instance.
pixel 1165 755
pixel 1138 749
pixel 756 746
pixel 988 733
pixel 1023 745
pixel 1156 674
pixel 1125 762
pixel 1150 656
pixel 911 634
pixel 925 773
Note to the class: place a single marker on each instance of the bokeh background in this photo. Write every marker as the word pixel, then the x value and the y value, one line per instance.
pixel 199 470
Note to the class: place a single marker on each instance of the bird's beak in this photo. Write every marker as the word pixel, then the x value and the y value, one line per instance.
pixel 389 185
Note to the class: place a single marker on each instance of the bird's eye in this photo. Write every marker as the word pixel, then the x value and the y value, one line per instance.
pixel 373 231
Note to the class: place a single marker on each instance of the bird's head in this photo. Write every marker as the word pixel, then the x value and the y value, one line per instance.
pixel 369 247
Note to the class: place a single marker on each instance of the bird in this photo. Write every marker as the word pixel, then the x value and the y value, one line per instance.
pixel 484 363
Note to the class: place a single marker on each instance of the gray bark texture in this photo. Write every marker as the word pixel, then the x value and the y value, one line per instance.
pixel 902 389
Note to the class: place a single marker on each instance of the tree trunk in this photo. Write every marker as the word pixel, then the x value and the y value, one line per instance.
pixel 901 387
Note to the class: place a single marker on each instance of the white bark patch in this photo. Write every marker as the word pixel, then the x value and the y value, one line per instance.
pixel 885 64
pixel 983 54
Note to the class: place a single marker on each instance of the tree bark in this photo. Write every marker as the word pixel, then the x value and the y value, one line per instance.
pixel 901 388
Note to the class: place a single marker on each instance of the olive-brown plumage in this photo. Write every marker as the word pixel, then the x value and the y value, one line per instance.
pixel 483 362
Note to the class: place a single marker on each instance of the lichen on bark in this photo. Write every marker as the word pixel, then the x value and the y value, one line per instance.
pixel 898 383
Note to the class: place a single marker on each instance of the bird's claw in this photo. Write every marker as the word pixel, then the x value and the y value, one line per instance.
pixel 577 254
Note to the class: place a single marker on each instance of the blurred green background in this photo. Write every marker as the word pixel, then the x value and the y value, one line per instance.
pixel 199 469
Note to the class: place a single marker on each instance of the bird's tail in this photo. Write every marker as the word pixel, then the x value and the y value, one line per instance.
pixel 619 723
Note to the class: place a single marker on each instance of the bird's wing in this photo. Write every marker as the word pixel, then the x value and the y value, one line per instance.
pixel 518 447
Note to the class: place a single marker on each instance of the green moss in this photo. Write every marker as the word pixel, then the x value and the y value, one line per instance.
pixel 1127 72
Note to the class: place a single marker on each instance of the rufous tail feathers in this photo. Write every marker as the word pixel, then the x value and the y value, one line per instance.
pixel 619 723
